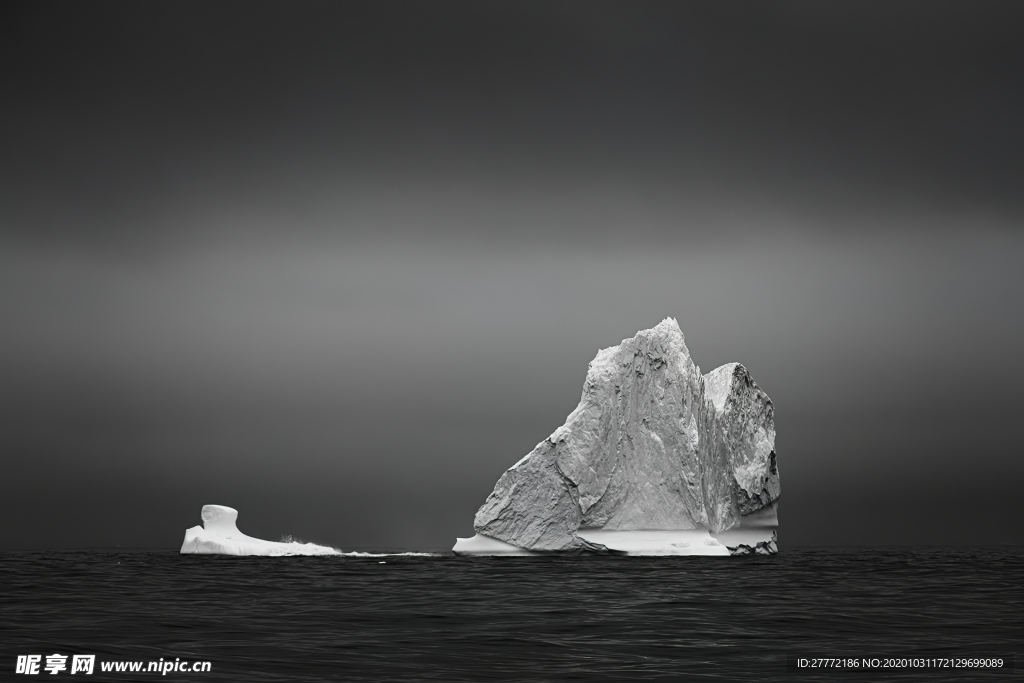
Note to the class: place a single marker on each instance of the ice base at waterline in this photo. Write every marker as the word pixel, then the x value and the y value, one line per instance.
pixel 755 535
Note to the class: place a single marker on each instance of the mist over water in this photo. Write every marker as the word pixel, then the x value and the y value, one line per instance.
pixel 339 266
pixel 373 397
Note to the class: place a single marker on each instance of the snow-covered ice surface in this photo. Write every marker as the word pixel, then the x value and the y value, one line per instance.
pixel 674 542
pixel 409 554
pixel 485 545
pixel 684 542
pixel 219 535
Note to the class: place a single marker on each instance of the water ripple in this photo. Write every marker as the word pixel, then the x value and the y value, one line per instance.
pixel 422 617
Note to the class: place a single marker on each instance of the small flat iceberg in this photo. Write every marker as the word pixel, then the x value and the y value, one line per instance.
pixel 219 535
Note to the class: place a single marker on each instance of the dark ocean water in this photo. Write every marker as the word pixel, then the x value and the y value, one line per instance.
pixel 446 618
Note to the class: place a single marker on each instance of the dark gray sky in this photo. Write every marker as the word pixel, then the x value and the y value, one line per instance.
pixel 340 265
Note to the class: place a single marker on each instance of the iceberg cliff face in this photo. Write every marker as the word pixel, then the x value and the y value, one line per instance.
pixel 653 446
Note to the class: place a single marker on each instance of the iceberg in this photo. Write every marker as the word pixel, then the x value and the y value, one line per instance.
pixel 656 459
pixel 219 535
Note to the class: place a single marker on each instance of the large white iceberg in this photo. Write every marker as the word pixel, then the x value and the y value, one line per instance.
pixel 219 535
pixel 657 459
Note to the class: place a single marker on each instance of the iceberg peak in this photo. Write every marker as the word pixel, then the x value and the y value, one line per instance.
pixel 655 459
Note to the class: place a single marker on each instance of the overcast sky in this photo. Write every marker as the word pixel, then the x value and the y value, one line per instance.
pixel 339 265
